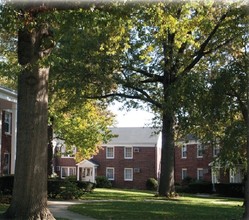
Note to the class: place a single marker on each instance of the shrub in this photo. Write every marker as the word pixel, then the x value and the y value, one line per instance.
pixel 54 187
pixel 6 184
pixel 103 182
pixel 187 180
pixel 230 189
pixel 151 184
pixel 200 187
pixel 86 186
pixel 70 190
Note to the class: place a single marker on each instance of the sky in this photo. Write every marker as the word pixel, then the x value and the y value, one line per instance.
pixel 132 118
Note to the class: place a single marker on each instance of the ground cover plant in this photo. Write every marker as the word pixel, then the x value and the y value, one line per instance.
pixel 133 204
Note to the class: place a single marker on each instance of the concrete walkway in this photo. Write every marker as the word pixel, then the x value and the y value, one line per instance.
pixel 59 210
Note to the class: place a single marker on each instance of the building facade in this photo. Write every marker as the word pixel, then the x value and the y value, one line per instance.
pixel 131 158
pixel 8 112
pixel 196 161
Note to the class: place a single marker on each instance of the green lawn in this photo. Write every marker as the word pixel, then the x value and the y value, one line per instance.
pixel 130 204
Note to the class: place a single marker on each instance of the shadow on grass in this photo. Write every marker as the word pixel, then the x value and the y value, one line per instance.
pixel 157 210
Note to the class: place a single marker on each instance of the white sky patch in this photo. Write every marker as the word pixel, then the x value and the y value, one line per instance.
pixel 132 118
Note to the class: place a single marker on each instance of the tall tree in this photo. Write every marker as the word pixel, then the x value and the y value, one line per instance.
pixel 168 41
pixel 35 43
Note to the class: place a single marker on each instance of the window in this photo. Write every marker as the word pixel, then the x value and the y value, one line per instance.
pixel 184 173
pixel 7 122
pixel 215 175
pixel 109 152
pixel 216 150
pixel 110 173
pixel 68 171
pixel 128 174
pixel 235 176
pixel 128 153
pixel 184 151
pixel 200 151
pixel 200 174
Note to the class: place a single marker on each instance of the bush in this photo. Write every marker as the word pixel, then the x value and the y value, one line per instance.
pixel 57 188
pixel 103 182
pixel 54 187
pixel 151 184
pixel 86 186
pixel 70 190
pixel 200 187
pixel 230 189
pixel 187 180
pixel 6 184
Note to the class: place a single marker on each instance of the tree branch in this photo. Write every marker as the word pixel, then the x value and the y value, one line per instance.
pixel 153 77
pixel 201 52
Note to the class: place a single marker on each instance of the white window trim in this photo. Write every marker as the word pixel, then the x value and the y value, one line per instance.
pixel 184 146
pixel 110 168
pixel 235 176
pixel 198 150
pixel 131 153
pixel 9 123
pixel 216 148
pixel 183 170
pixel 198 176
pixel 108 157
pixel 68 172
pixel 125 178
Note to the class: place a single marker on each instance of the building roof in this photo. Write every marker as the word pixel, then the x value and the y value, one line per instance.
pixel 134 136
pixel 87 163
pixel 8 97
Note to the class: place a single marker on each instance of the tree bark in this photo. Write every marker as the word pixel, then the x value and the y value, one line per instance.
pixel 166 185
pixel 29 200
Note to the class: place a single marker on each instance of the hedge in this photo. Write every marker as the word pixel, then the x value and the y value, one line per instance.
pixel 55 186
pixel 230 189
pixel 6 184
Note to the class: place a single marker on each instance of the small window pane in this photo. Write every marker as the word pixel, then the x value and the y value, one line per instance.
pixel 110 152
pixel 128 153
pixel 184 151
pixel 128 174
pixel 110 173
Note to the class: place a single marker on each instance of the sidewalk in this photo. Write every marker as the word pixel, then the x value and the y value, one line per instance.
pixel 59 210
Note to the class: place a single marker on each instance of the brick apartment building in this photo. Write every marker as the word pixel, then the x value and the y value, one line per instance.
pixel 8 108
pixel 195 160
pixel 131 158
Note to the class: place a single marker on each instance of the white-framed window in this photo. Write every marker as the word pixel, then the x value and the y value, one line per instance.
pixel 109 152
pixel 200 174
pixel 184 151
pixel 128 152
pixel 110 173
pixel 68 171
pixel 128 174
pixel 200 151
pixel 235 176
pixel 7 122
pixel 184 173
pixel 216 150
pixel 215 175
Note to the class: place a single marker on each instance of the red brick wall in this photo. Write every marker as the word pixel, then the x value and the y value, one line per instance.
pixel 192 163
pixel 145 159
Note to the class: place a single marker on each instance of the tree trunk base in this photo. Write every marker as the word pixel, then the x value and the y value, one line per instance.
pixel 44 214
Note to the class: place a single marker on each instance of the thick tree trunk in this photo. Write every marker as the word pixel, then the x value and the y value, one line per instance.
pixel 166 184
pixel 29 199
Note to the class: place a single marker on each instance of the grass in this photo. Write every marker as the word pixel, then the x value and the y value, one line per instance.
pixel 130 204
pixel 115 204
